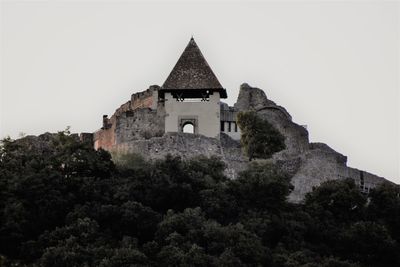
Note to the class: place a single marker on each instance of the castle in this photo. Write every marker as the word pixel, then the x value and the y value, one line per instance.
pixel 188 101
pixel 186 117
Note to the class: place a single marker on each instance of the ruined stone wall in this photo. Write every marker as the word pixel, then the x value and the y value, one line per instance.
pixel 296 136
pixel 141 131
pixel 188 146
pixel 143 123
pixel 143 103
pixel 228 121
pixel 321 164
pixel 104 138
pixel 145 99
pixel 309 164
pixel 182 144
pixel 132 120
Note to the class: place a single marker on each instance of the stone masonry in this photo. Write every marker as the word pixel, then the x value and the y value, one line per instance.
pixel 152 124
pixel 309 164
pixel 139 128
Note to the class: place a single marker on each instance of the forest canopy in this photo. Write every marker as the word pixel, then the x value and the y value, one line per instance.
pixel 63 203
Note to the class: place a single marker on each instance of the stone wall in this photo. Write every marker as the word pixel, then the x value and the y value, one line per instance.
pixel 104 138
pixel 145 99
pixel 138 118
pixel 143 123
pixel 182 144
pixel 205 114
pixel 296 136
pixel 309 164
pixel 321 164
pixel 228 121
pixel 233 156
pixel 187 146
pixel 141 131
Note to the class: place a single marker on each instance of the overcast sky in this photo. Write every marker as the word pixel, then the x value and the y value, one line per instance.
pixel 333 66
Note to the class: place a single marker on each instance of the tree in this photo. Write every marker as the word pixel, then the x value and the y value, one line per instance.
pixel 189 234
pixel 337 200
pixel 384 207
pixel 261 187
pixel 64 204
pixel 369 243
pixel 259 138
pixel 42 179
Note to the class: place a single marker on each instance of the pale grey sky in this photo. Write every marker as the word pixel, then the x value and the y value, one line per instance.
pixel 333 65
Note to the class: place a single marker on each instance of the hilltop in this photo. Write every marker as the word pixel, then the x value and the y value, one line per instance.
pixel 62 203
pixel 139 130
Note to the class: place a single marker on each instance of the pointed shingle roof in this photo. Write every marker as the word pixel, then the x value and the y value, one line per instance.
pixel 192 72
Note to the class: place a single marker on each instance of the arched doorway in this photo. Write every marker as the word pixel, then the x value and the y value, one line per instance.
pixel 188 127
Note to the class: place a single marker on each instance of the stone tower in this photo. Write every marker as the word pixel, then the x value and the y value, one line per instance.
pixel 191 95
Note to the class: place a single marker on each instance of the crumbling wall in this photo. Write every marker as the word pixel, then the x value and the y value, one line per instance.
pixel 182 144
pixel 138 113
pixel 143 123
pixel 86 138
pixel 187 146
pixel 317 165
pixel 104 138
pixel 321 164
pixel 296 136
pixel 145 99
pixel 308 164
pixel 229 121
pixel 252 98
pixel 141 131
pixel 233 156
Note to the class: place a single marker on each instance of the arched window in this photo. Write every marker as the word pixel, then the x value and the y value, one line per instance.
pixel 188 128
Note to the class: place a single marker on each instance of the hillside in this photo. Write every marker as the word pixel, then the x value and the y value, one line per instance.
pixel 62 203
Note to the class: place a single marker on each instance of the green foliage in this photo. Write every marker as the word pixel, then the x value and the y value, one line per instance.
pixel 369 242
pixel 182 232
pixel 385 206
pixel 128 161
pixel 259 138
pixel 64 204
pixel 341 212
pixel 261 187
pixel 336 199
